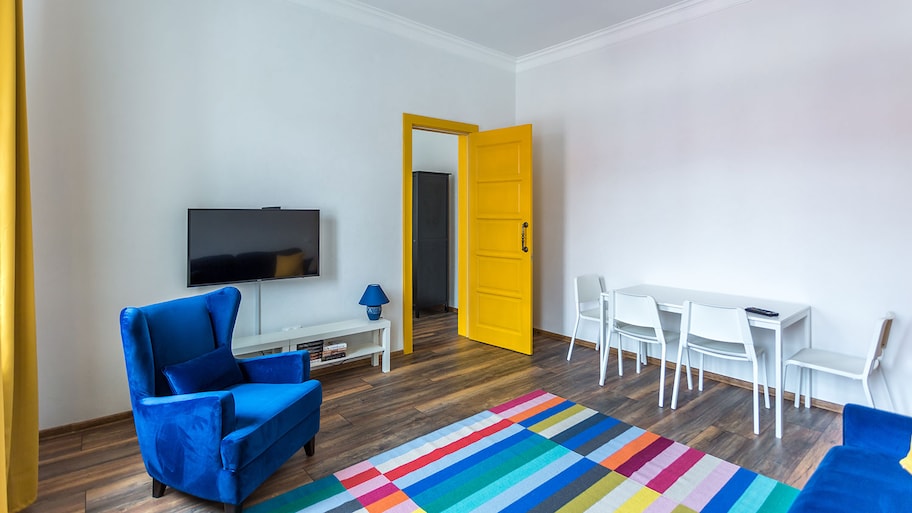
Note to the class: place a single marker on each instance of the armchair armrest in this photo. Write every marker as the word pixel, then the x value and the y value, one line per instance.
pixel 289 367
pixel 179 434
pixel 876 430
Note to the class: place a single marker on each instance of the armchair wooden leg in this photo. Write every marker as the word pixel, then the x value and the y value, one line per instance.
pixel 158 488
pixel 311 446
pixel 233 508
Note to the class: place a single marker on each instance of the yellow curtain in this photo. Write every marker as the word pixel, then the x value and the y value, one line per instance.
pixel 18 353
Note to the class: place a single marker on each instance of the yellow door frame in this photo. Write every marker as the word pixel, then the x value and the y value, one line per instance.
pixel 462 130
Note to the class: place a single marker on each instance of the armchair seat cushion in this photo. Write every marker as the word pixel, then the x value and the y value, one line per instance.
pixel 264 413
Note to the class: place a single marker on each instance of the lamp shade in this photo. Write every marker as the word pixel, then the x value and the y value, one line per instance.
pixel 373 296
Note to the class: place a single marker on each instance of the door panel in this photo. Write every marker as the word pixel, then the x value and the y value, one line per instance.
pixel 499 198
pixel 496 270
pixel 497 235
pixel 500 270
pixel 502 160
pixel 495 312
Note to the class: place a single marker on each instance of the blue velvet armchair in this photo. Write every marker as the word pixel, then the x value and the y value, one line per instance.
pixel 210 425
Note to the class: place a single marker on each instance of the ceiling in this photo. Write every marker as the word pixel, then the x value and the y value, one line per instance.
pixel 519 27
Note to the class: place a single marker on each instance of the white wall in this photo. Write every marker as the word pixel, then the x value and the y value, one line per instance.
pixel 434 151
pixel 139 110
pixel 764 150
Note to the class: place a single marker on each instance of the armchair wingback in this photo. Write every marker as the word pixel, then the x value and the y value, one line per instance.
pixel 209 425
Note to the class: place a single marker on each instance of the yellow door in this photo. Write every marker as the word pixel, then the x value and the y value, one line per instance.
pixel 500 242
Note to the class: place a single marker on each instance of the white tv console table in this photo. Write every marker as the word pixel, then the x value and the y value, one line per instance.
pixel 288 340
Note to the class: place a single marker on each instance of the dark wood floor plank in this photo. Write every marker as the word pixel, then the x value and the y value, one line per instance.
pixel 446 379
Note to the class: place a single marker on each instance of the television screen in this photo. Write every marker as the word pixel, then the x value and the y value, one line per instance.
pixel 238 245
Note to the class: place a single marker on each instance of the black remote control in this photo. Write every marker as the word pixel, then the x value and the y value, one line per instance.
pixel 761 311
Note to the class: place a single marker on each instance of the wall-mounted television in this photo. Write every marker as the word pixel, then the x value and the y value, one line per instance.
pixel 227 245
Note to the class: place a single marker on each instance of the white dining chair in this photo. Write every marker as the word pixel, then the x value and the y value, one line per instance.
pixel 845 365
pixel 719 332
pixel 587 289
pixel 637 318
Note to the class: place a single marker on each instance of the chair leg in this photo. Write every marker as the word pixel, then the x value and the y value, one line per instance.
pixel 687 368
pixel 756 399
pixel 867 391
pixel 604 353
pixel 598 340
pixel 158 488
pixel 702 361
pixel 785 373
pixel 620 357
pixel 677 378
pixel 311 446
pixel 662 380
pixel 807 392
pixel 573 338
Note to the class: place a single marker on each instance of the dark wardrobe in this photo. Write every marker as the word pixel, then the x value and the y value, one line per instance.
pixel 430 242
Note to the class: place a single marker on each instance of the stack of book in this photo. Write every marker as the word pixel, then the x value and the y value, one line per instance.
pixel 334 351
pixel 314 347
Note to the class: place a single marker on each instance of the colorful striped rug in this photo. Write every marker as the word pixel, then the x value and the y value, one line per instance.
pixel 539 453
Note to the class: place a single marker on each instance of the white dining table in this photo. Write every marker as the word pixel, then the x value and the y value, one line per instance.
pixel 671 299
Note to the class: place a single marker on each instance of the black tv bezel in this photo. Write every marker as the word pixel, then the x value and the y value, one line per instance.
pixel 315 274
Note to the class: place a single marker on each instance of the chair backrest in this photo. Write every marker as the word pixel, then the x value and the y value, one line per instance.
pixel 175 331
pixel 881 336
pixel 588 289
pixel 636 310
pixel 720 323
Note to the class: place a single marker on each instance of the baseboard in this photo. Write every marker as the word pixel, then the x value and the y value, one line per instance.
pixel 719 378
pixel 789 396
pixel 83 425
pixel 563 338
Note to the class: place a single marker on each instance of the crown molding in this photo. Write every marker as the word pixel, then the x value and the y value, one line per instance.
pixel 677 13
pixel 370 16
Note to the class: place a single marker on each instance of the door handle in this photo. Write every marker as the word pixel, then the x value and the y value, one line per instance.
pixel 523 241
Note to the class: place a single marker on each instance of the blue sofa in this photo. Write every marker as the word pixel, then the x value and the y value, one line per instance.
pixel 863 474
pixel 208 424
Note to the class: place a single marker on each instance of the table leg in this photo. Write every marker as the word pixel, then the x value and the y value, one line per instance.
pixel 778 363
pixel 386 350
pixel 807 342
pixel 375 358
pixel 603 342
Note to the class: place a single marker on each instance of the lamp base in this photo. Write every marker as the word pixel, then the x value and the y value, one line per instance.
pixel 373 312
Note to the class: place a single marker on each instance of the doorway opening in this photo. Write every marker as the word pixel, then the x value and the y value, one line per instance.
pixel 435 162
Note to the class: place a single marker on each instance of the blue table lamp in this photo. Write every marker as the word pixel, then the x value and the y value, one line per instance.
pixel 373 298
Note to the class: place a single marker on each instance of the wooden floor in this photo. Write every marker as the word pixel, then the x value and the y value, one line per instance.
pixel 446 378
